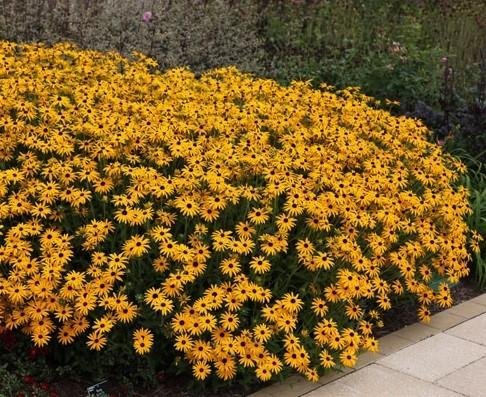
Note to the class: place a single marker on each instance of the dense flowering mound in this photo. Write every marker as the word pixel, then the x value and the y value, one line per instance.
pixel 255 226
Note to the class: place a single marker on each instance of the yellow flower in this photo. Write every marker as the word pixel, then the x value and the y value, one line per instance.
pixel 353 311
pixel 244 230
pixel 292 302
pixel 187 206
pixel 348 358
pixel 258 216
pixel 96 341
pixel 384 302
pixel 285 223
pixel 103 325
pixel 142 340
pixel 230 266
pixel 262 333
pixel 263 372
pixel 183 343
pixel 424 314
pixel 229 321
pixel 371 344
pixel 126 312
pixel 260 265
pixel 153 295
pixel 66 335
pixel 63 313
pixel 136 246
pixel 319 307
pixel 201 350
pixel 201 370
pixel 326 360
pixel 305 248
pixel 311 375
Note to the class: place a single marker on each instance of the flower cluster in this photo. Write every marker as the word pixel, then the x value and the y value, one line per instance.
pixel 268 227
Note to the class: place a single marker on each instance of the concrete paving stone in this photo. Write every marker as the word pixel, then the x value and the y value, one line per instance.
pixel 333 375
pixel 260 393
pixel 416 332
pixel 284 389
pixel 480 300
pixel 444 320
pixel 469 380
pixel 435 357
pixel 293 379
pixel 266 391
pixel 302 386
pixel 295 385
pixel 367 358
pixel 467 309
pixel 473 330
pixel 379 381
pixel 391 343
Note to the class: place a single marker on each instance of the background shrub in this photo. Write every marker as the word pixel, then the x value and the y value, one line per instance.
pixel 198 33
pixel 392 49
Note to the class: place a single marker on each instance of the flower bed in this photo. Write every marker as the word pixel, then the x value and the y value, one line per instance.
pixel 254 228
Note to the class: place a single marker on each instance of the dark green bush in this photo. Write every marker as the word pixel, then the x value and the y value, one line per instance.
pixel 392 49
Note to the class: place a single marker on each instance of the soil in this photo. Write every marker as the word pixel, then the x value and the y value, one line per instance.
pixel 406 314
pixel 175 386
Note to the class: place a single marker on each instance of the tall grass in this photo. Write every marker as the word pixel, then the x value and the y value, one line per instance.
pixel 475 181
pixel 460 30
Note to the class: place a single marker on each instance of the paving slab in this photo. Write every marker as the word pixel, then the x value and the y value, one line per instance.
pixel 435 357
pixel 467 309
pixel 295 385
pixel 367 358
pixel 469 380
pixel 473 330
pixel 379 381
pixel 416 332
pixel 445 320
pixel 292 390
pixel 333 375
pixel 265 392
pixel 391 343
pixel 480 300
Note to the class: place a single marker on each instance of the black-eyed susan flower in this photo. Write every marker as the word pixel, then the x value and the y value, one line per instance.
pixel 142 340
pixel 201 370
pixel 260 264
pixel 262 333
pixel 96 341
pixel 136 246
pixel 258 216
pixel 348 357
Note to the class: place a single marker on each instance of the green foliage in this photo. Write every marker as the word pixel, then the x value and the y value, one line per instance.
pixel 392 49
pixel 475 181
pixel 22 373
pixel 11 383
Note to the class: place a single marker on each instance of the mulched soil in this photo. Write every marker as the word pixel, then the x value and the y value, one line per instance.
pixel 406 314
pixel 173 386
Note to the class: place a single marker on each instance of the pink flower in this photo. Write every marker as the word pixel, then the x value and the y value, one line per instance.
pixel 147 16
